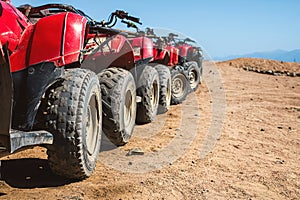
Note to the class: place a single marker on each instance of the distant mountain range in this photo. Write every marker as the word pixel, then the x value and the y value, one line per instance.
pixel 280 55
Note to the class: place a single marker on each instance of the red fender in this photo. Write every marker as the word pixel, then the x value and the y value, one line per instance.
pixel 57 38
pixel 173 53
pixel 143 48
pixel 119 54
pixel 117 43
pixel 184 50
pixel 123 52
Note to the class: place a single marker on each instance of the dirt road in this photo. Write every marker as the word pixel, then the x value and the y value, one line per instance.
pixel 257 154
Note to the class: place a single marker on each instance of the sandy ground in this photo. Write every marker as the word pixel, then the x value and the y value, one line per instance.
pixel 255 155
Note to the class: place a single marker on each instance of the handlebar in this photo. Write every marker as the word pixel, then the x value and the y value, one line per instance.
pixel 124 15
pixel 121 15
pixel 173 35
pixel 189 40
pixel 130 24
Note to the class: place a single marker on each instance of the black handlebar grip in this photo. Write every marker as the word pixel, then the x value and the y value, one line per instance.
pixel 134 19
pixel 173 35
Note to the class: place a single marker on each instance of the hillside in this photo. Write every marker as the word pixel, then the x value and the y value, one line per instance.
pixel 255 64
pixel 280 55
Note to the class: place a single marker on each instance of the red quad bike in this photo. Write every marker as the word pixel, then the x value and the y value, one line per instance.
pixel 184 60
pixel 45 99
pixel 50 93
pixel 190 57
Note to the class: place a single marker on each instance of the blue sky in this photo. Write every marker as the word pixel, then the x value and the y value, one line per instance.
pixel 222 27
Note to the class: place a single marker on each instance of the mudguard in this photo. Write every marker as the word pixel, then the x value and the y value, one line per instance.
pixel 29 86
pixel 57 38
pixel 173 53
pixel 186 51
pixel 143 48
pixel 6 94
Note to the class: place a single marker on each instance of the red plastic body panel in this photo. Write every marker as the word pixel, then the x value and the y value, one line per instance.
pixel 173 53
pixel 184 50
pixel 61 44
pixel 19 59
pixel 117 43
pixel 117 53
pixel 143 48
pixel 74 34
pixel 168 55
pixel 12 24
pixel 56 38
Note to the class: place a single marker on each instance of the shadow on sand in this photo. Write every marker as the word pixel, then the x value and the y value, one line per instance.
pixel 30 173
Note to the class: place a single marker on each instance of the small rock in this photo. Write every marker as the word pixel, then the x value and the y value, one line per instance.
pixel 270 72
pixel 279 161
pixel 135 151
pixel 280 127
pixel 294 74
pixel 262 129
pixel 129 163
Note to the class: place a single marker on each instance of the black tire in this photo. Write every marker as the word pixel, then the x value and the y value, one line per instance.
pixel 119 104
pixel 180 87
pixel 148 90
pixel 194 74
pixel 165 88
pixel 74 118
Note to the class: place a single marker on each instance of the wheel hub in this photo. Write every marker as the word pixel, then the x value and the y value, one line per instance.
pixel 91 126
pixel 128 108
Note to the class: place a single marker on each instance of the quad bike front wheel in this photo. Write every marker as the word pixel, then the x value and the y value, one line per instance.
pixel 148 90
pixel 165 88
pixel 180 87
pixel 74 118
pixel 194 75
pixel 119 104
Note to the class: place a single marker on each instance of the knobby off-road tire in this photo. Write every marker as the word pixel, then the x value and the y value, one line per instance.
pixel 194 74
pixel 74 117
pixel 148 90
pixel 165 88
pixel 119 104
pixel 180 87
